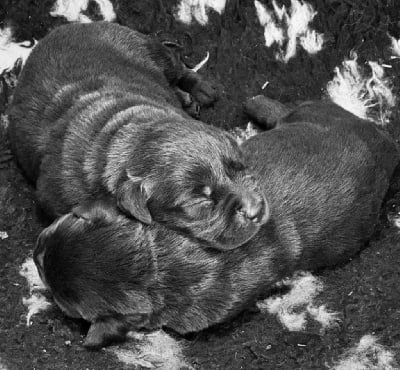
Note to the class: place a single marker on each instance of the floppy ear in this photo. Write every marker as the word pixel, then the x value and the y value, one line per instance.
pixel 101 209
pixel 132 198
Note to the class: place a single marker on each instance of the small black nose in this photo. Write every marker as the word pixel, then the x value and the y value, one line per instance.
pixel 252 207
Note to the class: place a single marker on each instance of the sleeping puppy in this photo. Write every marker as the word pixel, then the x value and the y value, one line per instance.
pixel 96 113
pixel 325 173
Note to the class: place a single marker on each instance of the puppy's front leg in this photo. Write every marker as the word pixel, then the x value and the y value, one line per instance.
pixel 104 332
pixel 167 56
pixel 204 92
pixel 189 105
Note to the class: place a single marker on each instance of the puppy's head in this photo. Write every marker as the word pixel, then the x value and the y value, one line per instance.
pixel 193 179
pixel 95 261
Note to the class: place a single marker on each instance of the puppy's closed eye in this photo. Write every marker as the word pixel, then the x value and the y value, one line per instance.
pixel 201 202
pixel 198 206
pixel 232 167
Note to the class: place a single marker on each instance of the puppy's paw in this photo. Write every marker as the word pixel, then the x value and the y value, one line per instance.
pixel 205 93
pixel 265 111
pixel 193 110
pixel 188 104
pixel 105 332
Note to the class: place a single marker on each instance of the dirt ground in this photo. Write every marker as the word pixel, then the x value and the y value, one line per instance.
pixel 365 291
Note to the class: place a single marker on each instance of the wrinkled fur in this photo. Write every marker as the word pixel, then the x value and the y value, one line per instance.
pixel 95 113
pixel 325 173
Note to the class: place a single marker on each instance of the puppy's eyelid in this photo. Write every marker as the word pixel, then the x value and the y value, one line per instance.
pixel 233 167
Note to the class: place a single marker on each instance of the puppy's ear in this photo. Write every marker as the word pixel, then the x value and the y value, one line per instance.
pixel 91 211
pixel 132 198
pixel 173 44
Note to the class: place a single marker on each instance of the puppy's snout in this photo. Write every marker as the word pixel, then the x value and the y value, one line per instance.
pixel 253 207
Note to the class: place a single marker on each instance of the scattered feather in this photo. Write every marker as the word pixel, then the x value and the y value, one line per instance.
pixel 3 235
pixel 154 350
pixel 266 83
pixel 312 41
pixel 395 46
pixel 2 366
pixel 37 301
pixel 200 65
pixel 29 272
pixel 73 10
pixel 368 97
pixel 272 33
pixel 106 10
pixel 293 321
pixel 289 27
pixel 301 14
pixel 280 12
pixel 12 53
pixel 241 135
pixel 367 355
pixel 320 314
pixel 187 10
pixel 293 308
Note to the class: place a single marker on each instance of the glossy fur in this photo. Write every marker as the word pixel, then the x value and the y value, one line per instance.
pixel 324 172
pixel 96 112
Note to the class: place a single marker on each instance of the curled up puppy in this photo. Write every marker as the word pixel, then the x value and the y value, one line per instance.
pixel 325 173
pixel 96 113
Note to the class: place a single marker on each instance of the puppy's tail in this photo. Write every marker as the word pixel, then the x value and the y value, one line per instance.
pixel 365 92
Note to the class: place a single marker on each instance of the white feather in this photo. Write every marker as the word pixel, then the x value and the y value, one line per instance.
pixel 368 97
pixel 367 355
pixel 72 10
pixel 154 350
pixel 11 52
pixel 187 10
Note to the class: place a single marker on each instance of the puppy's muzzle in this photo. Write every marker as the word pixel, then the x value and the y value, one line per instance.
pixel 253 207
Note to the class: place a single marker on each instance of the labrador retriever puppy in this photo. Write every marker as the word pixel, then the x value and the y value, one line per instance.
pixel 96 113
pixel 325 173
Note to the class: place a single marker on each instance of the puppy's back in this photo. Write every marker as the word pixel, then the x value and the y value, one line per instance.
pixel 325 173
pixel 75 67
pixel 345 125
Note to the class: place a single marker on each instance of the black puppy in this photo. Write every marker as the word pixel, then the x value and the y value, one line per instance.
pixel 95 113
pixel 325 173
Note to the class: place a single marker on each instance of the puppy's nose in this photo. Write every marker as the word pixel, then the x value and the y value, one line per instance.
pixel 253 207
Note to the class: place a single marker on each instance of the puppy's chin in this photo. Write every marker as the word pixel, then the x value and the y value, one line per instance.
pixel 237 238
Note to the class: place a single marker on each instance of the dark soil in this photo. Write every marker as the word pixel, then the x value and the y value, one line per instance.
pixel 365 291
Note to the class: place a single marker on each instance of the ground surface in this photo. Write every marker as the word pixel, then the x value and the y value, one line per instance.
pixel 365 292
